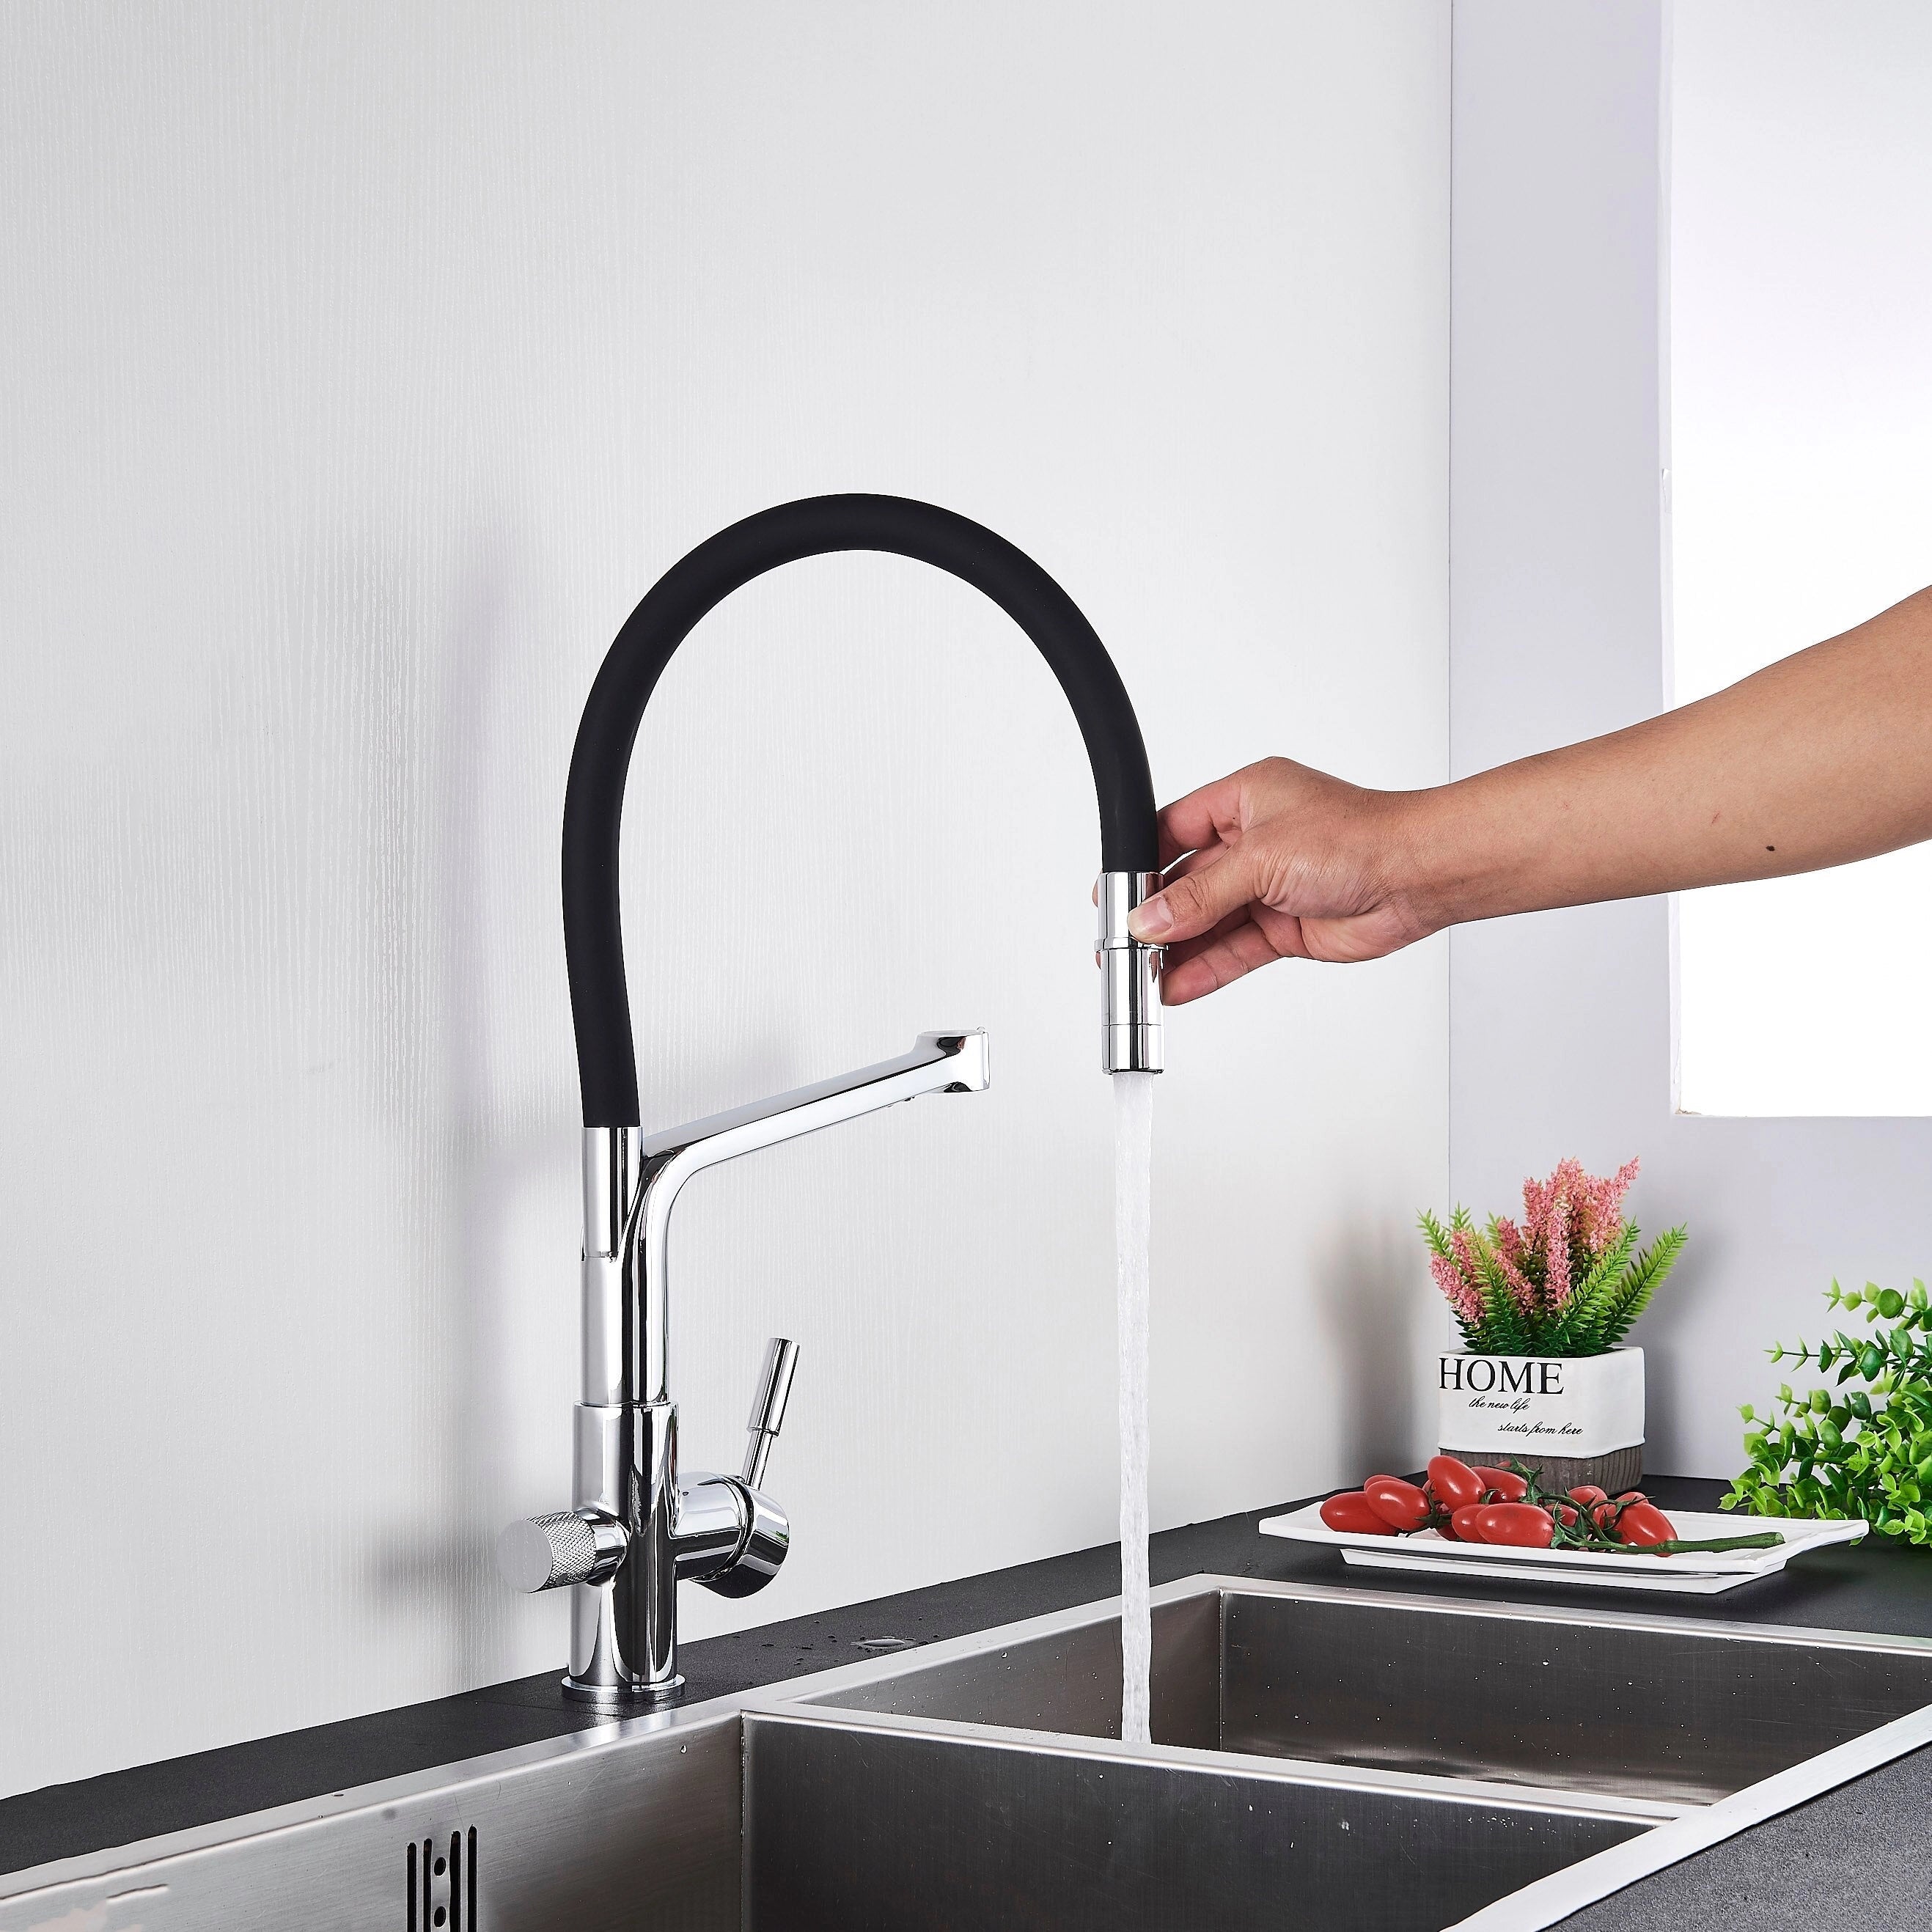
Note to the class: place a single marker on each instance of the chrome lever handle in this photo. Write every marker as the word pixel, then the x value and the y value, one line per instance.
pixel 768 1407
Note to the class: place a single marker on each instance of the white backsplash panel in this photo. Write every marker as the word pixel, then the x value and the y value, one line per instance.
pixel 365 366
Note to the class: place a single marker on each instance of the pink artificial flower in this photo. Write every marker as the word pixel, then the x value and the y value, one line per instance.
pixel 1460 1290
pixel 1570 1222
pixel 1510 1245
pixel 1536 1199
pixel 1556 1268
pixel 1470 1270
pixel 1521 1288
pixel 1564 1185
pixel 1517 1260
pixel 1600 1218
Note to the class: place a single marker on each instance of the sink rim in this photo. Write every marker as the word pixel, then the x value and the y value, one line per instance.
pixel 1564 1800
pixel 816 1688
pixel 1679 1829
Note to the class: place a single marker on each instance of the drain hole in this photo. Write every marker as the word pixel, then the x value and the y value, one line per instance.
pixel 410 1891
pixel 471 1875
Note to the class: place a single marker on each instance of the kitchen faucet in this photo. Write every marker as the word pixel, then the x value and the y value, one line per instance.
pixel 638 1527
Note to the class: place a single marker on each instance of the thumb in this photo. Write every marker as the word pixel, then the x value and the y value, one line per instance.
pixel 1196 903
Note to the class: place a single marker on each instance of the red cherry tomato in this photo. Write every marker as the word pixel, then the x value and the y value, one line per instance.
pixel 1463 1522
pixel 1352 1513
pixel 1565 1513
pixel 1604 1514
pixel 1455 1484
pixel 1506 1483
pixel 1402 1504
pixel 1523 1525
pixel 1644 1522
pixel 1589 1495
pixel 1633 1496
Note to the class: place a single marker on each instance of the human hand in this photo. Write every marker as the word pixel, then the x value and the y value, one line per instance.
pixel 1276 861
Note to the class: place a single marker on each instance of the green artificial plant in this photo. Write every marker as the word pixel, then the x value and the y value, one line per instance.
pixel 1863 1447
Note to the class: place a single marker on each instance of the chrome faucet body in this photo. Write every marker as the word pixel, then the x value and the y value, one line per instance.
pixel 637 1526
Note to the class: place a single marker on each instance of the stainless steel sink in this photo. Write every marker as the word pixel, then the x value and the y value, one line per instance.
pixel 1323 1757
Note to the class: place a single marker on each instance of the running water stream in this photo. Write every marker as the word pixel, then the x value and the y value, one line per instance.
pixel 1133 1178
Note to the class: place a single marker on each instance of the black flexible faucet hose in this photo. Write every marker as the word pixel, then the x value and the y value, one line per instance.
pixel 594 802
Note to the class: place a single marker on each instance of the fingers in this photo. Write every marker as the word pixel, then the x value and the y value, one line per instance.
pixel 1208 855
pixel 1229 957
pixel 1189 904
pixel 1208 816
pixel 1186 948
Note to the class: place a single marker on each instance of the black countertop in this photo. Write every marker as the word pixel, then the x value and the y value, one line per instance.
pixel 1826 1864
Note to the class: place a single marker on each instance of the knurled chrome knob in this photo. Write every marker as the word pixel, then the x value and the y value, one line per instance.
pixel 545 1553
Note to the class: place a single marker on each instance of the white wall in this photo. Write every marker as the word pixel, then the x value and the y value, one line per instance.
pixel 1801 501
pixel 362 366
pixel 1561 1022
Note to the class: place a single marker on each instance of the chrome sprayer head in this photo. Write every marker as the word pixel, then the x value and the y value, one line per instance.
pixel 1129 978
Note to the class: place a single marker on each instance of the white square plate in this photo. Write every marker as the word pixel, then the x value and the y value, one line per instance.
pixel 1693 1573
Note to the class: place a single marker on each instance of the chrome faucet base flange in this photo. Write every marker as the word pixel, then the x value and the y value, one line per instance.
pixel 618 1696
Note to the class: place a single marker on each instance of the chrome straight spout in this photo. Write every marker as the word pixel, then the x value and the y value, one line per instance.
pixel 637 1527
pixel 625 1337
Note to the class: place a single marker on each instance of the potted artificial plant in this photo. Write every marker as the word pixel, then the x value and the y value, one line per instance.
pixel 1543 1306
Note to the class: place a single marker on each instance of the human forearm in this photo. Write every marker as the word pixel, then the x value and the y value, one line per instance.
pixel 1822 758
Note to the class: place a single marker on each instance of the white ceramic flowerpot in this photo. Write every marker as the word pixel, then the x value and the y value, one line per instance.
pixel 1576 1418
